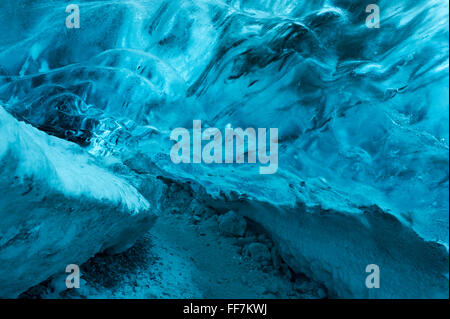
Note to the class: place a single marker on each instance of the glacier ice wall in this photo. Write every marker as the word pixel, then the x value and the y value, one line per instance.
pixel 362 113
pixel 59 207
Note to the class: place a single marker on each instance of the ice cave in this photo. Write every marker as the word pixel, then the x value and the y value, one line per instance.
pixel 91 91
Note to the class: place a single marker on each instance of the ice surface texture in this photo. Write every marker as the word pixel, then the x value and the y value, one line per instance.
pixel 362 113
pixel 58 207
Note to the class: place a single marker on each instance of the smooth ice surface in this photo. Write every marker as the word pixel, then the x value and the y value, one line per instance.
pixel 362 113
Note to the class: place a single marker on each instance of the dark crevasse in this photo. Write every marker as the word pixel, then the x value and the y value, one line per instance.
pixel 362 116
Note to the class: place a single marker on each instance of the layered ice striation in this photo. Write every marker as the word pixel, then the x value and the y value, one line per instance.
pixel 362 116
